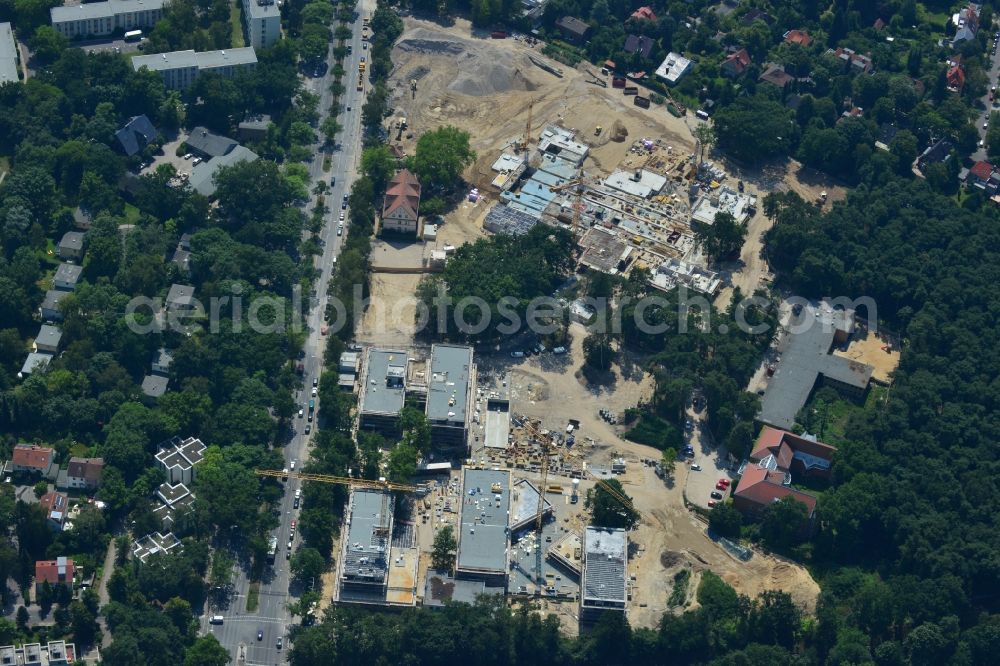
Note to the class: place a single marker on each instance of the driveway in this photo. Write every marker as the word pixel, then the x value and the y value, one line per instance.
pixel 713 461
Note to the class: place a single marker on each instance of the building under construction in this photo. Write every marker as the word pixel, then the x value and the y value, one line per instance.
pixel 378 559
pixel 604 584
pixel 449 397
pixel 483 533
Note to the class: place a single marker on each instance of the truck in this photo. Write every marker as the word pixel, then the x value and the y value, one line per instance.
pixel 272 549
pixel 361 67
pixel 641 101
pixel 630 90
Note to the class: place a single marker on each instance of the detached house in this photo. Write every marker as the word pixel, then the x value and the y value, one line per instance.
pixel 984 176
pixel 56 507
pixel 32 459
pixel 799 37
pixel 638 44
pixel 67 276
pixel 401 207
pixel 955 79
pixel 137 133
pixel 54 572
pixel 81 474
pixel 854 62
pixel 71 246
pixel 573 29
pixel 735 64
pixel 644 14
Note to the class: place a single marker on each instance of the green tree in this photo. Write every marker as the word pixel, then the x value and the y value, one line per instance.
pixel 47 44
pixel 440 157
pixel 206 651
pixel 605 502
pixel 379 165
pixel 721 238
pixel 755 128
pixel 725 520
pixel 783 522
pixel 307 564
pixel 443 553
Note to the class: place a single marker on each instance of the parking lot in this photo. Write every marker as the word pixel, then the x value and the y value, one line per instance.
pixel 109 46
pixel 707 466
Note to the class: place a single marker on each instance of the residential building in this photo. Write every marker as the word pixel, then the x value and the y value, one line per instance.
pixel 450 396
pixel 735 64
pixel 757 15
pixel 81 474
pixel 955 79
pixel 639 44
pixel 776 76
pixel 71 246
pixel 966 22
pixel 604 578
pixel 178 458
pixel 35 361
pixel 156 543
pixel 180 298
pixel 262 22
pixel 32 459
pixel 806 360
pixel 180 69
pixel 162 361
pixel 137 133
pixel 54 572
pixel 573 29
pixel 561 143
pixel 155 386
pixel 49 309
pixel 507 220
pixel 206 145
pixel 644 14
pixel 383 390
pixel 674 272
pixel 983 176
pixel 854 62
pixel 886 133
pixel 66 277
pixel 176 500
pixel 767 476
pixel 56 505
pixel 254 129
pixel 202 178
pixel 640 183
pixel 400 209
pixel 98 19
pixel 48 339
pixel 937 153
pixel 8 55
pixel 54 653
pixel 673 68
pixel 799 37
pixel 483 529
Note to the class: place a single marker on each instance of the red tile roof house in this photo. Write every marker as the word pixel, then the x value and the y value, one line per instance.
pixel 799 37
pixel 82 474
pixel 644 14
pixel 956 79
pixel 767 477
pixel 56 507
pixel 32 459
pixel 54 572
pixel 401 208
pixel 981 175
pixel 735 64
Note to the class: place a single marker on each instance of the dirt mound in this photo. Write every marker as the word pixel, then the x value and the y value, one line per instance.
pixel 489 79
pixel 436 46
pixel 618 132
pixel 669 558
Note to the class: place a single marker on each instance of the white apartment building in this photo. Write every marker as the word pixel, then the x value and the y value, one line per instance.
pixel 180 69
pixel 102 18
pixel 262 22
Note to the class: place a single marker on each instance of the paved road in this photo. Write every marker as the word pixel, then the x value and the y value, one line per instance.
pixel 238 633
pixel 993 74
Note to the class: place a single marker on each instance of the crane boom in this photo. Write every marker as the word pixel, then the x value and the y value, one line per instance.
pixel 577 199
pixel 342 480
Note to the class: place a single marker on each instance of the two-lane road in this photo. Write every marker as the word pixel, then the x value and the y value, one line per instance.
pixel 239 630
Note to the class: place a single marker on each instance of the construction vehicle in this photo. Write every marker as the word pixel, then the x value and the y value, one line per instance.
pixel 526 139
pixel 598 130
pixel 361 67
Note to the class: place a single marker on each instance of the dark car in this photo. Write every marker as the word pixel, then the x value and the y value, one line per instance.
pixel 260 635
pixel 716 495
pixel 333 181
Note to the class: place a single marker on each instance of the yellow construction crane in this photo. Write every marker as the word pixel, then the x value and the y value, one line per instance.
pixel 527 131
pixel 577 201
pixel 380 484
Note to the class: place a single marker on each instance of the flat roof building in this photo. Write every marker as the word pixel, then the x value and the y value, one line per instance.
pixel 54 653
pixel 178 458
pixel 364 559
pixel 97 19
pixel 638 183
pixel 202 178
pixel 673 68
pixel 48 339
pixel 154 544
pixel 675 272
pixel 483 532
pixel 262 22
pixel 563 144
pixel 8 54
pixel 525 506
pixel 450 395
pixel 67 276
pixel 180 68
pixel 605 577
pixel 35 361
pixel 383 389
pixel 805 359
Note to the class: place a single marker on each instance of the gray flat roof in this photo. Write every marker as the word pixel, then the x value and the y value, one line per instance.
pixel 483 535
pixel 497 428
pixel 604 575
pixel 259 9
pixel 52 298
pixel 108 9
pixel 379 398
pixel 448 388
pixel 525 509
pixel 72 240
pixel 68 273
pixel 180 294
pixel 366 553
pixel 203 175
pixel 155 385
pixel 190 58
pixel 8 54
pixel 49 335
pixel 805 355
pixel 34 360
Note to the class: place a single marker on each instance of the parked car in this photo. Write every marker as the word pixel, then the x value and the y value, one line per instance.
pixel 295 505
pixel 308 428
pixel 314 391
pixel 301 413
pixel 260 635
pixel 559 350
pixel 279 643
pixel 721 486
pixel 716 495
pixel 696 467
pixel 724 483
pixel 712 503
pixel 315 381
pixel 517 354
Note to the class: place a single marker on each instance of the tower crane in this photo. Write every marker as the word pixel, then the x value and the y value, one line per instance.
pixel 380 484
pixel 527 132
pixel 577 202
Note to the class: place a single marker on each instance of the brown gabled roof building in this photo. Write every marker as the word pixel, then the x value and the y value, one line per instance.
pixel 401 207
pixel 32 458
pixel 735 64
pixel 573 29
pixel 800 37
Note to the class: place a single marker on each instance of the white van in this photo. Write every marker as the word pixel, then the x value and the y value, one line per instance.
pixel 216 619
pixel 298 493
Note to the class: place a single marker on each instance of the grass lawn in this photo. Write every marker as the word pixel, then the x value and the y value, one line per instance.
pixel 938 18
pixel 79 450
pixel 131 214
pixel 237 23
pixel 253 597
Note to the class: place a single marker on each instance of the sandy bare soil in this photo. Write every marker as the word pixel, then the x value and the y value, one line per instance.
pixel 877 352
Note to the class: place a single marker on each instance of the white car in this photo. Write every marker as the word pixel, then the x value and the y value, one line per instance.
pixel 314 391
pixel 300 413
pixel 188 156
